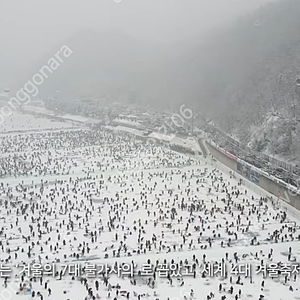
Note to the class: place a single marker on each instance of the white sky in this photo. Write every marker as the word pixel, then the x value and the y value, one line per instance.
pixel 28 28
pixel 158 20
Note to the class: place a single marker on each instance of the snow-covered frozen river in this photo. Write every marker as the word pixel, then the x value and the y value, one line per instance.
pixel 85 198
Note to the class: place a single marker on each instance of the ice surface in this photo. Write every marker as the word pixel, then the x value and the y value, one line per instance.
pixel 128 192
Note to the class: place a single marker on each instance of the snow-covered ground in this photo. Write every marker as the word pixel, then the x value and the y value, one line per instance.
pixel 20 122
pixel 88 198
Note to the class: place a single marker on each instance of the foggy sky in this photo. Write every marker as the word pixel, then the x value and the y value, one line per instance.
pixel 28 29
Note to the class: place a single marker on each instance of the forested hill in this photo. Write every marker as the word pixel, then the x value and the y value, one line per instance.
pixel 246 77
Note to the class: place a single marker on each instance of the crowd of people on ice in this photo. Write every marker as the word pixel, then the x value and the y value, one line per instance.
pixel 62 152
pixel 110 196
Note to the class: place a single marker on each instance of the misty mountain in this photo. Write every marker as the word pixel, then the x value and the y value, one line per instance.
pixel 245 78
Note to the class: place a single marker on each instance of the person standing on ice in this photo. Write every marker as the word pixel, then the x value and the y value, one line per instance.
pixel 262 285
pixel 220 287
pixel 97 285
